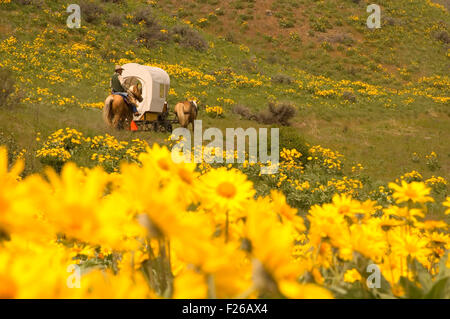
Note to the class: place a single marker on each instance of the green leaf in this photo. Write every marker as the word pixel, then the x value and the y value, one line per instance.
pixel 411 290
pixel 438 291
pixel 443 270
pixel 423 276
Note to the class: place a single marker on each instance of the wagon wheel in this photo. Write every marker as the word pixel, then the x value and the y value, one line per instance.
pixel 163 127
pixel 138 124
pixel 145 126
pixel 168 127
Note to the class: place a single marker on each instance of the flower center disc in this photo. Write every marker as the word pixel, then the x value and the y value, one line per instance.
pixel 410 193
pixel 185 176
pixel 163 164
pixel 226 189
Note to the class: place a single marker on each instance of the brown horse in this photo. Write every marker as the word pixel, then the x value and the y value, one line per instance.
pixel 186 113
pixel 117 113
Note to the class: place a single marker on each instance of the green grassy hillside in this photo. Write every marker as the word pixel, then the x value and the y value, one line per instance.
pixel 377 96
pixel 330 37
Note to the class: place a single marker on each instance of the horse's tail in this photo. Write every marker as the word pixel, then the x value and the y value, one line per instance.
pixel 179 111
pixel 107 110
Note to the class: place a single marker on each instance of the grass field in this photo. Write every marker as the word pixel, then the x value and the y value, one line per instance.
pixel 363 130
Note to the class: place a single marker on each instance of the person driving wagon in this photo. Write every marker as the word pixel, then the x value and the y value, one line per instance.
pixel 117 85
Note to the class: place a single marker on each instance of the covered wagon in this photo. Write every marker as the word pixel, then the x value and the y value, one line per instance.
pixel 155 84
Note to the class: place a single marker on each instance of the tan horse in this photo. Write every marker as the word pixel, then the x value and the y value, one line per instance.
pixel 117 113
pixel 186 113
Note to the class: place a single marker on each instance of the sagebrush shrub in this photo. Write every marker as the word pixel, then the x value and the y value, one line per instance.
pixel 230 37
pixel 115 20
pixel 284 112
pixel 152 33
pixel 250 66
pixel 442 36
pixel 280 113
pixel 282 79
pixel 273 59
pixel 188 38
pixel 343 38
pixel 143 14
pixel 91 11
pixel 391 21
pixel 36 3
pixel 349 96
pixel 243 111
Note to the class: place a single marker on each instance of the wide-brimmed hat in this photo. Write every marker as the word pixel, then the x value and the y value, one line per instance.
pixel 117 68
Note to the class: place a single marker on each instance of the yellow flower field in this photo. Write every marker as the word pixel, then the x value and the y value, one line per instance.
pixel 158 229
pixel 90 212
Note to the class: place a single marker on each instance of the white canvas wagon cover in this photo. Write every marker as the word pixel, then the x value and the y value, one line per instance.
pixel 155 85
